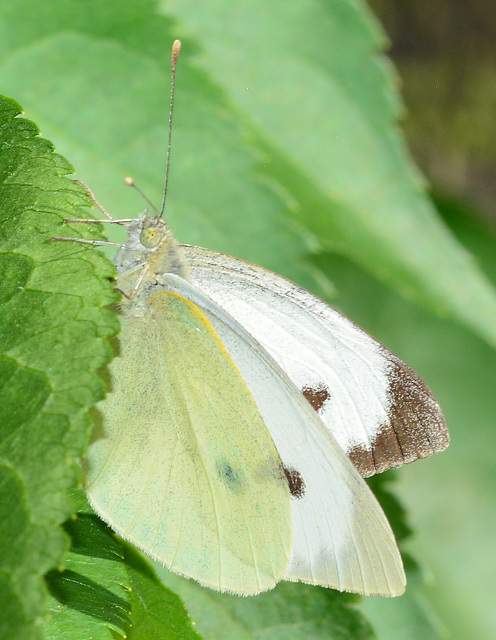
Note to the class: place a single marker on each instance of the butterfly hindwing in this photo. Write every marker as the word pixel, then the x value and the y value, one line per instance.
pixel 183 465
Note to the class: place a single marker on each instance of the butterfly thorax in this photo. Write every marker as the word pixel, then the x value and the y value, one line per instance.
pixel 149 252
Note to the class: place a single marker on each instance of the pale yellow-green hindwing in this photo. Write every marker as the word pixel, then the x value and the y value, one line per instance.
pixel 183 464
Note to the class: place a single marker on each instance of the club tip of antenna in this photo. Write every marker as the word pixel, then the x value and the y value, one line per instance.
pixel 129 181
pixel 176 48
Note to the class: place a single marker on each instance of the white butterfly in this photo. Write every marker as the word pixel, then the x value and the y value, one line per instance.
pixel 242 412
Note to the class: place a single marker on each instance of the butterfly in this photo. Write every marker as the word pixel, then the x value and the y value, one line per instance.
pixel 243 414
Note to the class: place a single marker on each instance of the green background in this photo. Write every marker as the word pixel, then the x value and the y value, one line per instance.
pixel 286 153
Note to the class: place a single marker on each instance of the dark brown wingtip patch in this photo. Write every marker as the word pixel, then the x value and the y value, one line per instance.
pixel 386 449
pixel 295 482
pixel 317 395
pixel 415 415
pixel 417 428
pixel 385 453
pixel 362 459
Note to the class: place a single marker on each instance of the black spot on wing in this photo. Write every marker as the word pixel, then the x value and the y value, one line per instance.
pixel 230 476
pixel 317 395
pixel 295 482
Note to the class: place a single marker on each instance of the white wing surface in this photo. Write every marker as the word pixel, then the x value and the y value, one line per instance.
pixel 341 537
pixel 377 408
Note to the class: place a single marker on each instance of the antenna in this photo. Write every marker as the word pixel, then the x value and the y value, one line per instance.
pixel 130 183
pixel 176 47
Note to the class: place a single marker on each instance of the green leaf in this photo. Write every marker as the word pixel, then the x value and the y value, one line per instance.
pixel 411 616
pixel 92 587
pixel 450 498
pixel 323 105
pixel 285 122
pixel 106 580
pixel 290 611
pixel 284 143
pixel 157 612
pixel 99 587
pixel 454 501
pixel 52 339
pixel 407 618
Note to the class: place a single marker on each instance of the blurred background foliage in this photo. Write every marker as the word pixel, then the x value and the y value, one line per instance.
pixel 444 53
pixel 254 175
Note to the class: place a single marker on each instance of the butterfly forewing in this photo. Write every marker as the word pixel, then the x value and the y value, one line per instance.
pixel 378 409
pixel 183 465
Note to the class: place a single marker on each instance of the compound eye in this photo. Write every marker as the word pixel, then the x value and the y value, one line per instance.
pixel 150 237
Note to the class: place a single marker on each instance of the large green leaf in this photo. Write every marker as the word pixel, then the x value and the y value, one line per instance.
pixel 52 339
pixel 52 336
pixel 288 612
pixel 284 142
pixel 106 585
pixel 308 77
pixel 451 498
pixel 285 116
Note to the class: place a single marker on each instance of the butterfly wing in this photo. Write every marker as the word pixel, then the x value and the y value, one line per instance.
pixel 378 409
pixel 341 537
pixel 182 464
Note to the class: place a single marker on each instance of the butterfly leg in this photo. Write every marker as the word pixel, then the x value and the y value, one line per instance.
pixel 95 201
pixel 96 243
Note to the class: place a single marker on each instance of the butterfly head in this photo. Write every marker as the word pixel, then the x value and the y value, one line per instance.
pixel 150 237
pixel 152 231
pixel 150 251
